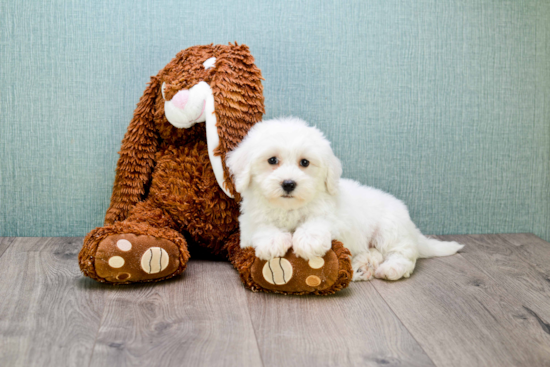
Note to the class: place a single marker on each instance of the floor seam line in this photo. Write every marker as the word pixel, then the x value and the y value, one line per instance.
pixel 253 329
pixel 404 325
pixel 98 328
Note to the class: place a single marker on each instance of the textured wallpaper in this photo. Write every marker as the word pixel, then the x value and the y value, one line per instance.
pixel 445 104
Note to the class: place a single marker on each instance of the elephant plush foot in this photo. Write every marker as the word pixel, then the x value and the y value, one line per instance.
pixel 123 258
pixel 291 274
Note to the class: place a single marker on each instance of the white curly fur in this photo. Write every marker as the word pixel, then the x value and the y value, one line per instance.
pixel 372 224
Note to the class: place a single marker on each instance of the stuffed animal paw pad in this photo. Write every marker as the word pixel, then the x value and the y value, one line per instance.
pixel 127 258
pixel 293 274
pixel 277 271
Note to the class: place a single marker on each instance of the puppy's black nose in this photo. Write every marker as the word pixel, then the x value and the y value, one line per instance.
pixel 288 185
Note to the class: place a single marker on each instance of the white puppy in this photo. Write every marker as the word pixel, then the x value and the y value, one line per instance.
pixel 293 196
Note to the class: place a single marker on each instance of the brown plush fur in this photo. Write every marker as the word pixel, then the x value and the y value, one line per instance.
pixel 238 96
pixel 165 186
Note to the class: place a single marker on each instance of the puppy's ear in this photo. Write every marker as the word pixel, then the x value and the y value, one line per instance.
pixel 239 162
pixel 334 171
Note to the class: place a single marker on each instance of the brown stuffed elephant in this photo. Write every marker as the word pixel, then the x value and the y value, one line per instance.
pixel 172 185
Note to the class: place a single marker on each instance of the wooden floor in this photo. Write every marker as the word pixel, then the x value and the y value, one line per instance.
pixel 488 306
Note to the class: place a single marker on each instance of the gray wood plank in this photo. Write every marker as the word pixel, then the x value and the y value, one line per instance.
pixel 49 314
pixel 5 242
pixel 518 262
pixel 354 327
pixel 199 319
pixel 487 306
pixel 462 317
pixel 531 249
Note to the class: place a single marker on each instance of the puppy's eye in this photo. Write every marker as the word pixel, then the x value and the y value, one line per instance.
pixel 304 163
pixel 273 160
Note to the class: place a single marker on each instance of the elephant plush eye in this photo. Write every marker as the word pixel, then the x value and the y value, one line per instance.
pixel 273 160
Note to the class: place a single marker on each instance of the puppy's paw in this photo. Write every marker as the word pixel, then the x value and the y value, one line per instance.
pixel 309 244
pixel 364 265
pixel 272 244
pixel 395 268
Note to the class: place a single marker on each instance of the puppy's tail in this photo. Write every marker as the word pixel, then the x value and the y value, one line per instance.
pixel 429 247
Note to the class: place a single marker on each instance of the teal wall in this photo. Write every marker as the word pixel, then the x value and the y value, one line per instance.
pixel 445 104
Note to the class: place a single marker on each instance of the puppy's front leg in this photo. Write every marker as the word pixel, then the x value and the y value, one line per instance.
pixel 270 242
pixel 312 239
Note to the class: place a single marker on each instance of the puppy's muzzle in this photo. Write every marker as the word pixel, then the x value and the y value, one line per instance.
pixel 288 186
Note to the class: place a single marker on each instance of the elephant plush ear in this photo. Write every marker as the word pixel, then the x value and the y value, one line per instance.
pixel 137 157
pixel 238 100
